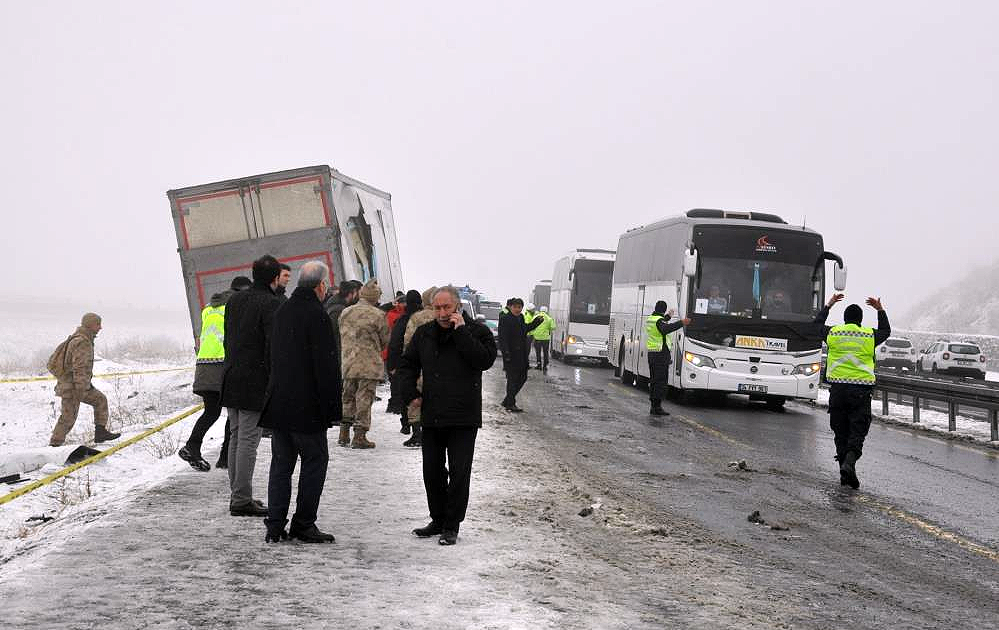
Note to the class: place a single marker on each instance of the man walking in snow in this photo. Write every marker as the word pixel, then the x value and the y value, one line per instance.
pixel 74 374
pixel 451 353
pixel 513 337
pixel 364 334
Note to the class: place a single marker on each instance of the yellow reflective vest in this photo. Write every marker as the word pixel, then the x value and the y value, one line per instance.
pixel 654 339
pixel 210 347
pixel 850 357
pixel 544 331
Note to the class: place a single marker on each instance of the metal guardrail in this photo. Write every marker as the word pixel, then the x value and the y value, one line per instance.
pixel 953 392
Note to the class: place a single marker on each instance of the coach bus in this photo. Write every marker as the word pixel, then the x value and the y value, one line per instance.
pixel 580 304
pixel 751 284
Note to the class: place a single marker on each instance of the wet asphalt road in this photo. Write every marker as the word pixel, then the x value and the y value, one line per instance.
pixel 916 546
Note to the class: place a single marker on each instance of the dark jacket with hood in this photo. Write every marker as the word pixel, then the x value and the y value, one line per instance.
pixel 513 339
pixel 304 391
pixel 452 361
pixel 334 305
pixel 208 375
pixel 249 319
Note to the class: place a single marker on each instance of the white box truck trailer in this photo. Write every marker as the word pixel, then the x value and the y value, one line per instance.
pixel 310 213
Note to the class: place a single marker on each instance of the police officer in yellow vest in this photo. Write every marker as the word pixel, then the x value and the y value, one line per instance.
pixel 542 336
pixel 208 373
pixel 850 373
pixel 659 346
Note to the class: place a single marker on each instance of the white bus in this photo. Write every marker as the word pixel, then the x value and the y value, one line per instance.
pixel 580 304
pixel 751 284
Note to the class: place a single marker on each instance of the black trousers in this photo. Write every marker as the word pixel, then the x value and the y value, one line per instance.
pixel 447 487
pixel 849 417
pixel 213 409
pixel 541 347
pixel 516 376
pixel 658 369
pixel 286 448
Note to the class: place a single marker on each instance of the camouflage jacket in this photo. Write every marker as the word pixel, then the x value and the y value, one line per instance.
pixel 79 364
pixel 418 319
pixel 364 333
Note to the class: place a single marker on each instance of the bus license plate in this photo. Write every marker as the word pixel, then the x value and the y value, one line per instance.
pixel 603 353
pixel 753 389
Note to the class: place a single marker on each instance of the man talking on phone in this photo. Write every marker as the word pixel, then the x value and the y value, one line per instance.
pixel 451 352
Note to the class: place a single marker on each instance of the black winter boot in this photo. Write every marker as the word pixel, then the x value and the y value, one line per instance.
pixel 405 426
pixel 848 471
pixel 417 439
pixel 656 408
pixel 101 434
pixel 191 454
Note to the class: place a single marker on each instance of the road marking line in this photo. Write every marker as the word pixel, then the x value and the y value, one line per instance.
pixel 32 379
pixel 929 528
pixel 44 481
pixel 710 431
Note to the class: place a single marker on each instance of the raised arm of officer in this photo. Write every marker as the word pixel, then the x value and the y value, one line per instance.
pixel 884 327
pixel 666 328
pixel 824 313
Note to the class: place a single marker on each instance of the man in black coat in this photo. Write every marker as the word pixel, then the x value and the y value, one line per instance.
pixel 451 352
pixel 249 317
pixel 303 401
pixel 516 351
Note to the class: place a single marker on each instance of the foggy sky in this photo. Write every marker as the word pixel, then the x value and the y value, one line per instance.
pixel 507 134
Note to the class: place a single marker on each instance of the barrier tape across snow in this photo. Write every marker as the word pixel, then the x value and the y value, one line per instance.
pixel 44 481
pixel 31 379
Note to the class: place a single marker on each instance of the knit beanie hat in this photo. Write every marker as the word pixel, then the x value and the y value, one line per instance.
pixel 370 292
pixel 90 320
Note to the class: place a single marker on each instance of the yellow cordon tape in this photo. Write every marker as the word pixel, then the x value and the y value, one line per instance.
pixel 32 379
pixel 44 481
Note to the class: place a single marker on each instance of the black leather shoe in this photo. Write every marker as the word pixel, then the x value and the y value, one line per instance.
pixel 448 537
pixel 515 409
pixel 432 529
pixel 250 509
pixel 194 458
pixel 658 411
pixel 275 536
pixel 312 535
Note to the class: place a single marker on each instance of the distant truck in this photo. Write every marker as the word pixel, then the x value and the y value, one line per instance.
pixel 541 294
pixel 310 213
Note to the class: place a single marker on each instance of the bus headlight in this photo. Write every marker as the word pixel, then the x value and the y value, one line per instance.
pixel 808 369
pixel 574 339
pixel 697 360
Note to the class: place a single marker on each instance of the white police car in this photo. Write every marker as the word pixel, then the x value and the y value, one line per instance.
pixel 961 358
pixel 896 352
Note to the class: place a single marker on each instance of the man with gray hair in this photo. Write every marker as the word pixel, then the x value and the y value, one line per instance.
pixel 303 401
pixel 451 352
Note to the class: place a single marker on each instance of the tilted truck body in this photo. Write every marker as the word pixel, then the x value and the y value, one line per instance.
pixel 311 213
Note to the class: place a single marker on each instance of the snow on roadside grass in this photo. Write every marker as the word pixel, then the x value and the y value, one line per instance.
pixel 977 430
pixel 28 412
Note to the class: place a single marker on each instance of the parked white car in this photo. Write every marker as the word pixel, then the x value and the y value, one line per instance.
pixel 961 358
pixel 896 352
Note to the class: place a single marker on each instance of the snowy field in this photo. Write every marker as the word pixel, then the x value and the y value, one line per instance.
pixel 32 330
pixel 28 412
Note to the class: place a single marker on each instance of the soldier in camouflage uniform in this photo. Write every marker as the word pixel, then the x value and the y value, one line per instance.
pixel 364 333
pixel 418 319
pixel 74 386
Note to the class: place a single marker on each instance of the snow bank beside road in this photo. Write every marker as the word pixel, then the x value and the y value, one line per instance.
pixel 28 412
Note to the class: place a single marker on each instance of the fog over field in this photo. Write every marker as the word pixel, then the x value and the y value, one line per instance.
pixel 507 134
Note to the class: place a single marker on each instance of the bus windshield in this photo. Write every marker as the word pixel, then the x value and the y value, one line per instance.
pixel 591 292
pixel 758 274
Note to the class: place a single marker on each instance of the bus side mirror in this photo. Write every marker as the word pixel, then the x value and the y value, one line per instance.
pixel 690 263
pixel 839 277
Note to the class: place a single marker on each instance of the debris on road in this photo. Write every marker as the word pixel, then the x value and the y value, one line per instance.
pixel 756 518
pixel 741 465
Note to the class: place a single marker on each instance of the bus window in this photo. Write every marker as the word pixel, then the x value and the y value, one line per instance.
pixel 591 291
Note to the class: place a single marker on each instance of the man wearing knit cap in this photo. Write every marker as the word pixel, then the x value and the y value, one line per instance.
pixel 364 333
pixel 74 368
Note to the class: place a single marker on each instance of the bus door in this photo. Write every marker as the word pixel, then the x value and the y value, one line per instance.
pixel 638 331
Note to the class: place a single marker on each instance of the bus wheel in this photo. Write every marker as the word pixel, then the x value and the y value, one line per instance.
pixel 776 403
pixel 627 377
pixel 620 363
